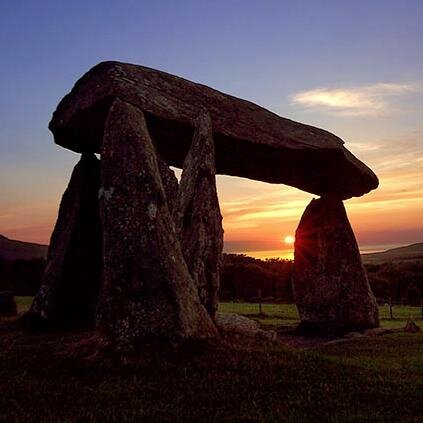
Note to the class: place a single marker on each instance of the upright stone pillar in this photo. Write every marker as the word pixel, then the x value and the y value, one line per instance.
pixel 71 282
pixel 330 284
pixel 147 291
pixel 197 215
pixel 170 183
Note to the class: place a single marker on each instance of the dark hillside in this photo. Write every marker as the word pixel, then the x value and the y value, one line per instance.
pixel 409 252
pixel 19 250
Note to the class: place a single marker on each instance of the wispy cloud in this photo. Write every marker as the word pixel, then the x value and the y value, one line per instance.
pixel 401 153
pixel 356 101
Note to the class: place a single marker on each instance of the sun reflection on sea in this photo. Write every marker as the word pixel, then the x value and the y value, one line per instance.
pixel 282 254
pixel 288 254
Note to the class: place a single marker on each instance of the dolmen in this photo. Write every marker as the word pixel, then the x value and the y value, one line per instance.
pixel 139 254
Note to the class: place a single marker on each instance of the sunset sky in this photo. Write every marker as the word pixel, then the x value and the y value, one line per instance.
pixel 354 68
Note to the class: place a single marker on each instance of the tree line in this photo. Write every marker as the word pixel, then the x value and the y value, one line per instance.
pixel 248 279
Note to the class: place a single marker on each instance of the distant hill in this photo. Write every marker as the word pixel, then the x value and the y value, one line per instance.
pixel 20 250
pixel 407 253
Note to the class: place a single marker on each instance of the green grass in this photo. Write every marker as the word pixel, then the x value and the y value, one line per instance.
pixel 68 377
pixel 23 303
pixel 287 314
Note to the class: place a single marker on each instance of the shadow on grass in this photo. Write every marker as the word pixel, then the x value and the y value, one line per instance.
pixel 74 377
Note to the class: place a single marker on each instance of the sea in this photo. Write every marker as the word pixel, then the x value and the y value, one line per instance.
pixel 288 253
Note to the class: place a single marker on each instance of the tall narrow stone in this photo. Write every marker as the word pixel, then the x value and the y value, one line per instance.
pixel 197 215
pixel 170 183
pixel 71 282
pixel 330 285
pixel 147 291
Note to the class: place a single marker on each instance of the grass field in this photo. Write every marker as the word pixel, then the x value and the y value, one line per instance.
pixel 23 303
pixel 65 377
pixel 287 314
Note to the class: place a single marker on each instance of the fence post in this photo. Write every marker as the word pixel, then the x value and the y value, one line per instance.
pixel 390 308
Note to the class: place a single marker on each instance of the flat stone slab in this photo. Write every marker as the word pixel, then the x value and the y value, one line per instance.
pixel 250 141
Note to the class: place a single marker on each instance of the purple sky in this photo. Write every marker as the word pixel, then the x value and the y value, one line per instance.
pixel 352 67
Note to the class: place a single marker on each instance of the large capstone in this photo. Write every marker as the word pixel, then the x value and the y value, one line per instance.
pixel 330 285
pixel 197 215
pixel 72 277
pixel 147 290
pixel 250 141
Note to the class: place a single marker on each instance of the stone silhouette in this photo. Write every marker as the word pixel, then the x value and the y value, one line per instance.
pixel 147 291
pixel 170 183
pixel 141 253
pixel 197 215
pixel 250 141
pixel 330 285
pixel 71 282
pixel 7 304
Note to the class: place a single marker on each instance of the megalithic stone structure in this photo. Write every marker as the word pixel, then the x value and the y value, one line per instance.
pixel 147 291
pixel 197 215
pixel 71 282
pixel 151 247
pixel 330 285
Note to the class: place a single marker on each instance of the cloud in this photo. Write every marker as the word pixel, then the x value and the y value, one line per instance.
pixel 401 153
pixel 356 101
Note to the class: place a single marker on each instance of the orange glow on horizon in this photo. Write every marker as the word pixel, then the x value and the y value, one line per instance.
pixel 289 239
pixel 255 214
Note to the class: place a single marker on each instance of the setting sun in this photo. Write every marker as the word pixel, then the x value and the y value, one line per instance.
pixel 289 239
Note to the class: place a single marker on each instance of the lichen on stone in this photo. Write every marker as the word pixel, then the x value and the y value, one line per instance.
pixel 105 193
pixel 152 211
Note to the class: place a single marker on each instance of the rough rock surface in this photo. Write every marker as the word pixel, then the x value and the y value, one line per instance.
pixel 197 215
pixel 71 281
pixel 250 141
pixel 7 304
pixel 330 285
pixel 147 290
pixel 231 323
pixel 412 327
pixel 170 183
pixel 381 331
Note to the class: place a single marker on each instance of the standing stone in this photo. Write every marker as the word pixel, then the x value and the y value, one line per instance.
pixel 147 291
pixel 72 277
pixel 197 216
pixel 170 183
pixel 330 285
pixel 7 304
